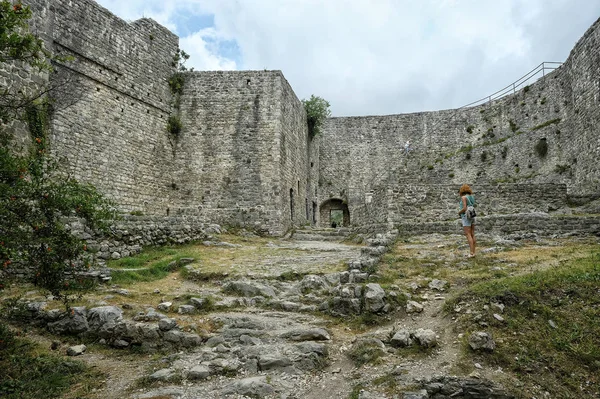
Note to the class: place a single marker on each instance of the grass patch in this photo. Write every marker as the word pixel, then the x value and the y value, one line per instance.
pixel 365 352
pixel 153 264
pixel 564 359
pixel 30 372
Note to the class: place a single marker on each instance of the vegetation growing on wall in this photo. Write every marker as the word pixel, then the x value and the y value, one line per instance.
pixel 177 80
pixel 547 123
pixel 317 110
pixel 541 148
pixel 35 195
pixel 176 84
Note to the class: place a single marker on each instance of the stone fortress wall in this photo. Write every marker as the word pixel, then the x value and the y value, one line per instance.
pixel 492 147
pixel 241 158
pixel 244 157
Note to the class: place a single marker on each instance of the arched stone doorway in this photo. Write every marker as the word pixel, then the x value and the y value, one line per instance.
pixel 334 211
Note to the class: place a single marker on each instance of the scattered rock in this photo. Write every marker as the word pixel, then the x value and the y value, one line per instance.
pixel 167 324
pixel 186 309
pixel 439 285
pixel 481 340
pixel 76 350
pixel 413 307
pixel 255 387
pixel 374 297
pixel 313 334
pixel 426 338
pixel 401 339
pixel 163 375
pixel 199 372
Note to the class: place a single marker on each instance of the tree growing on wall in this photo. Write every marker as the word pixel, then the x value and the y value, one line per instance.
pixel 36 197
pixel 317 110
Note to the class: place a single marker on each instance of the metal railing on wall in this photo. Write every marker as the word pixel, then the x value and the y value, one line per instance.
pixel 517 84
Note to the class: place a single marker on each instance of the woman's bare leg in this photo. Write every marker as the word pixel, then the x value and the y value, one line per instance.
pixel 470 238
pixel 473 239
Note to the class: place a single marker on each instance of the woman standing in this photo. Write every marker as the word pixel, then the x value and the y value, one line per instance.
pixel 467 199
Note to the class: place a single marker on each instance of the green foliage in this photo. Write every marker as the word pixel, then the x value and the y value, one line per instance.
pixel 16 42
pixel 27 374
pixel 469 129
pixel 541 148
pixel 504 152
pixel 560 169
pixel 547 123
pixel 36 198
pixel 513 126
pixel 526 88
pixel 484 156
pixel 317 110
pixel 177 80
pixel 174 125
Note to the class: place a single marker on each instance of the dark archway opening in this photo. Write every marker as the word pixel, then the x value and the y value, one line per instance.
pixel 334 213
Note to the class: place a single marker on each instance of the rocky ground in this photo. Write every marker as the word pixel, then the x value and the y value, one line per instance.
pixel 254 333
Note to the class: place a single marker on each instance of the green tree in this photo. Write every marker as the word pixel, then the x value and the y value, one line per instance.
pixel 317 110
pixel 36 198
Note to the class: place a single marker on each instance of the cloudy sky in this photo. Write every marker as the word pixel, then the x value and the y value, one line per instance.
pixel 375 57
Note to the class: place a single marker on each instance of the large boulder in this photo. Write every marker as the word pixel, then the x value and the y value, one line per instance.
pixel 425 338
pixel 374 298
pixel 103 320
pixel 73 322
pixel 249 289
pixel 312 282
pixel 401 339
pixel 254 387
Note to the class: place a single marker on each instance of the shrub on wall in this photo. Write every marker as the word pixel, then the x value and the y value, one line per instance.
pixel 174 125
pixel 317 110
pixel 541 148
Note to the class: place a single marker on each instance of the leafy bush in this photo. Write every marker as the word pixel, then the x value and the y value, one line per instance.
pixel 317 110
pixel 541 148
pixel 174 125
pixel 36 197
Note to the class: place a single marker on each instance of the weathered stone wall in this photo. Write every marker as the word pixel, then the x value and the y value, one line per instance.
pixel 434 202
pixel 498 142
pixel 294 159
pixel 244 158
pixel 520 224
pixel 112 130
pixel 242 148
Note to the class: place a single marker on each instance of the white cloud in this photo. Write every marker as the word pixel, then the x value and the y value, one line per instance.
pixel 381 56
pixel 203 49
